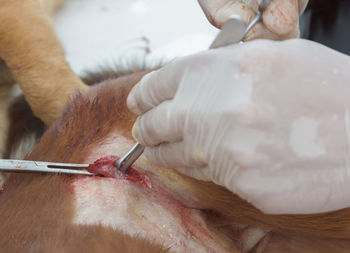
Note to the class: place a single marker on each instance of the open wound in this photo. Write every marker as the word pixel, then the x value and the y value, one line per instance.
pixel 106 167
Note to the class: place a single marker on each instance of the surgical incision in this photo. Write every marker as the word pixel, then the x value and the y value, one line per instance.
pixel 105 166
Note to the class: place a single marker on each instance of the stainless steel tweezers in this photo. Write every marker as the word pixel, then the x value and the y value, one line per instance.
pixel 22 166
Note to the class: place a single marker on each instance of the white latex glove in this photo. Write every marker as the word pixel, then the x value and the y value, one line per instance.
pixel 268 120
pixel 280 19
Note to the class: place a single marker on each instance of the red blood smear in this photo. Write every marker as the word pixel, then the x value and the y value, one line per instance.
pixel 1 190
pixel 105 166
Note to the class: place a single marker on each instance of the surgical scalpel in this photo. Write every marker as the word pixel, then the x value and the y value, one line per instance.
pixel 235 28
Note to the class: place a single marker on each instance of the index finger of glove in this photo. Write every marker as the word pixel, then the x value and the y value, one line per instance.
pixel 158 125
pixel 153 89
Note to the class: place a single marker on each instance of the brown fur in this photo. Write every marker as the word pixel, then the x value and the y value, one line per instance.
pixel 34 207
pixel 44 214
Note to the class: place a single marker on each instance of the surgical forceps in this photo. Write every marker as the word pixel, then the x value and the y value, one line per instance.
pixel 23 166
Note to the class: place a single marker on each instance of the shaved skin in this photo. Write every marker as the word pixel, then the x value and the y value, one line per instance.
pixel 147 209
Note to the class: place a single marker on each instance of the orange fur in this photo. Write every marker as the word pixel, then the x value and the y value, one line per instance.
pixel 29 47
pixel 34 207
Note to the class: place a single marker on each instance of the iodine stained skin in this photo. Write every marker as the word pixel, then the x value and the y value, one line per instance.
pixel 106 167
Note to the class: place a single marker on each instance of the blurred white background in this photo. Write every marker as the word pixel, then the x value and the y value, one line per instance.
pixel 96 32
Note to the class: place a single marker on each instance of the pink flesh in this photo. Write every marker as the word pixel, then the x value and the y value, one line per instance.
pixel 105 166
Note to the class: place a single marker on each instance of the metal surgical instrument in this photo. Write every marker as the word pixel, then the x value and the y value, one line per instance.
pixel 124 162
pixel 23 166
pixel 235 29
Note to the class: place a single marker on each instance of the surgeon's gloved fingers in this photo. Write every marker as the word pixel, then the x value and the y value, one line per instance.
pixel 260 32
pixel 281 16
pixel 158 125
pixel 174 155
pixel 210 8
pixel 153 88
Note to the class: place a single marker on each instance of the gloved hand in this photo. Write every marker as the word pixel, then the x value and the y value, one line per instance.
pixel 268 120
pixel 280 19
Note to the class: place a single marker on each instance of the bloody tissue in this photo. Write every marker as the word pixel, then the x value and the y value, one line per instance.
pixel 105 166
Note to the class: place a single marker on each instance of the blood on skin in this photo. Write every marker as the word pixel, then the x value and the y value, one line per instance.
pixel 105 166
pixel 180 226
